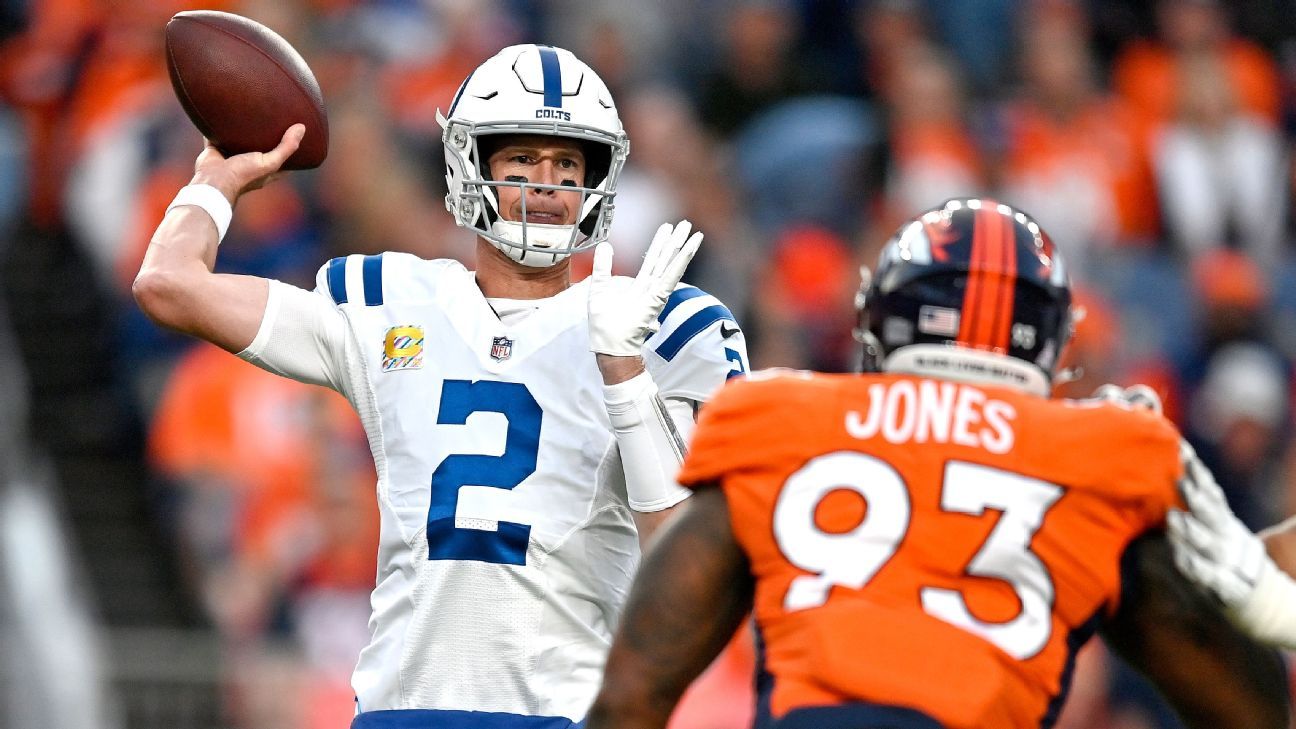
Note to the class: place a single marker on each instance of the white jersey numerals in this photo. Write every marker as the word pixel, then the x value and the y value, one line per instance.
pixel 851 559
pixel 1006 555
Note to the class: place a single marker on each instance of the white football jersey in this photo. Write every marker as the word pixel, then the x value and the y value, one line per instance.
pixel 507 543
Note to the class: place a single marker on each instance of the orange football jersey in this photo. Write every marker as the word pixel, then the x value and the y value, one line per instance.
pixel 937 547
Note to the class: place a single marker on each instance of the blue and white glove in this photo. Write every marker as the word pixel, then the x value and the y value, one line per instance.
pixel 1132 397
pixel 623 311
pixel 1214 549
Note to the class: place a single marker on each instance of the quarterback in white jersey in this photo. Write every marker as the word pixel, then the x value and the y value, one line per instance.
pixel 526 431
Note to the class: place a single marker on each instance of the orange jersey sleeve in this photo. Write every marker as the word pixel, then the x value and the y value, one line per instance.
pixel 929 546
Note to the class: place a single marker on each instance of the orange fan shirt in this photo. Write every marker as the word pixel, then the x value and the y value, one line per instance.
pixel 939 547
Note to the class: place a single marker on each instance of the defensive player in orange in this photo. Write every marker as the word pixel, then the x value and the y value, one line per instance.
pixel 928 545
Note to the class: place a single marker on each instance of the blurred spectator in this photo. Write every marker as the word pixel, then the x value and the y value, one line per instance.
pixel 1148 72
pixel 806 161
pixel 1223 378
pixel 979 33
pixel 813 279
pixel 251 455
pixel 1073 158
pixel 425 79
pixel 1233 296
pixel 1221 172
pixel 629 42
pixel 1238 421
pixel 888 30
pixel 932 155
pixel 757 69
pixel 276 513
pixel 669 151
pixel 374 192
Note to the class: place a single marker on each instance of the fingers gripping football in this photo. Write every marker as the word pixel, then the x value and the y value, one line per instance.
pixel 623 312
pixel 241 173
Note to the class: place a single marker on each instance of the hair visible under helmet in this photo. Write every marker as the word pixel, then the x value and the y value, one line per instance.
pixel 532 89
pixel 972 290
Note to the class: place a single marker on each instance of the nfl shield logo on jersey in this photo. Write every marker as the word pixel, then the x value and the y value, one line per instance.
pixel 501 349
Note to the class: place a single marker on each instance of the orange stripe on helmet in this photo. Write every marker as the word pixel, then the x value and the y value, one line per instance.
pixel 970 321
pixel 1006 233
pixel 990 224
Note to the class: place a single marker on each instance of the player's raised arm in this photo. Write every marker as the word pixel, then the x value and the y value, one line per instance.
pixel 175 286
pixel 623 313
pixel 691 594
pixel 1211 673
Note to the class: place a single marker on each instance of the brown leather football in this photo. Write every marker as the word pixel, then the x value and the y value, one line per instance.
pixel 243 85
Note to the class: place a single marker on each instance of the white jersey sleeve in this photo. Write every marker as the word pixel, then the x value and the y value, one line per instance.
pixel 697 348
pixel 305 337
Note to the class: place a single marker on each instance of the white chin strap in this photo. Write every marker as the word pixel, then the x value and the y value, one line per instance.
pixel 544 245
pixel 967 365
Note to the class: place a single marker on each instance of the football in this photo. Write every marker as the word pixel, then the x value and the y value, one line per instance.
pixel 243 85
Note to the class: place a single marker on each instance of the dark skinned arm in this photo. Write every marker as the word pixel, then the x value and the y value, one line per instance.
pixel 692 592
pixel 1211 673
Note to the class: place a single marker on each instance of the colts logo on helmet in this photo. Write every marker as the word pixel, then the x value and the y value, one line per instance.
pixel 547 113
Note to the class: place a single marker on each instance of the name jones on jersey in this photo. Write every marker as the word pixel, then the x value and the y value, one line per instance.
pixel 907 411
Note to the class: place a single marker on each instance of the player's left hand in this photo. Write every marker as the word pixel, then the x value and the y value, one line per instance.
pixel 622 311
pixel 1212 547
pixel 1133 397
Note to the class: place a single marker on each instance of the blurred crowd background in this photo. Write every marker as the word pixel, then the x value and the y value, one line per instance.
pixel 186 541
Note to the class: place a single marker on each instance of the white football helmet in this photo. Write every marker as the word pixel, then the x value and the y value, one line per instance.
pixel 533 89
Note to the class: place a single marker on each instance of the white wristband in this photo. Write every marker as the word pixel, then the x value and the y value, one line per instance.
pixel 1269 613
pixel 211 200
pixel 650 444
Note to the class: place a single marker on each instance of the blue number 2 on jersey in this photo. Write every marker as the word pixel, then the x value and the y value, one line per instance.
pixel 459 399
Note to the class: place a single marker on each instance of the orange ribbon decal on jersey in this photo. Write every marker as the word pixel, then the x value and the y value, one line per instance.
pixel 988 300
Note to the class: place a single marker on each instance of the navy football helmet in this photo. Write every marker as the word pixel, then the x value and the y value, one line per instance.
pixel 971 290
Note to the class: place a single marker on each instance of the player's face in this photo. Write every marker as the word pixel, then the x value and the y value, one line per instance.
pixel 540 160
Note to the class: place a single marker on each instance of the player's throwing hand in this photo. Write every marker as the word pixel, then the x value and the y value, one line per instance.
pixel 623 312
pixel 241 173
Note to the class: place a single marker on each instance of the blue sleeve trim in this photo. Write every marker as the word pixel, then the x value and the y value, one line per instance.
pixel 677 297
pixel 337 280
pixel 372 276
pixel 692 327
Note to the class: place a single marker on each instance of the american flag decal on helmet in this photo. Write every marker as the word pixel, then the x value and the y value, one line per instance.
pixel 938 321
pixel 501 349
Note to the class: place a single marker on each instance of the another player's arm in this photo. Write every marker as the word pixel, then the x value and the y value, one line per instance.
pixel 691 594
pixel 176 286
pixel 1212 674
pixel 1250 575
